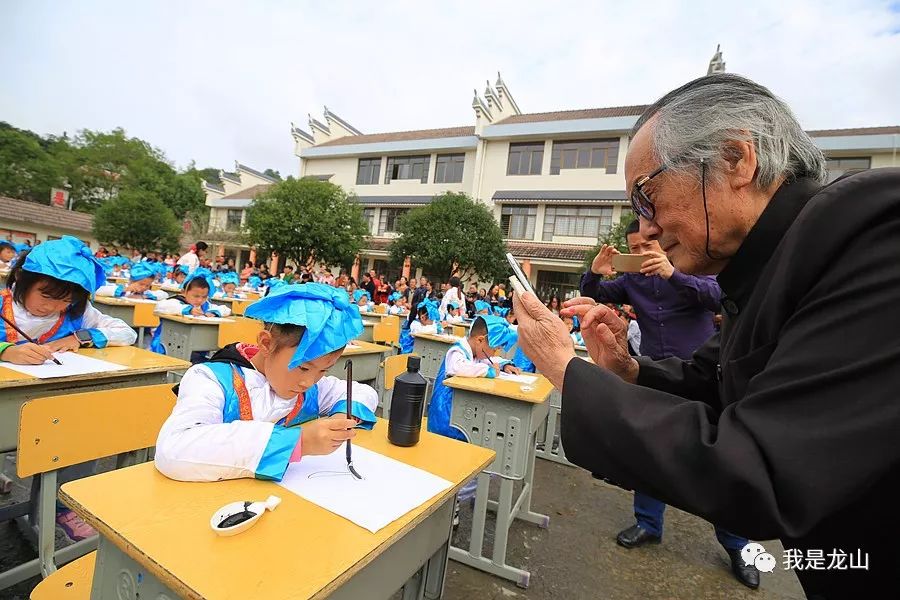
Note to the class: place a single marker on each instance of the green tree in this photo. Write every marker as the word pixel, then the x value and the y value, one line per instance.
pixel 307 220
pixel 273 174
pixel 614 237
pixel 137 219
pixel 453 234
pixel 27 169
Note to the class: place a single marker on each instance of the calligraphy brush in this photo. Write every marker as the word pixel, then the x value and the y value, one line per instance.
pixel 26 336
pixel 349 368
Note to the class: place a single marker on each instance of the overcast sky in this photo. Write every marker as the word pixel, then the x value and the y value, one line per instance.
pixel 221 81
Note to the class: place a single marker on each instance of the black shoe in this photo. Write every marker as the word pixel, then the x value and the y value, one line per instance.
pixel 746 574
pixel 636 536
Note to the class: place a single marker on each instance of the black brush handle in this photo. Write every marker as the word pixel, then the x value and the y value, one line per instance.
pixel 349 368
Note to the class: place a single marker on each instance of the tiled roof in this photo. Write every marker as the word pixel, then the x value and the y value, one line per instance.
pixel 601 196
pixel 252 171
pixel 249 193
pixel 214 186
pixel 568 115
pixel 854 131
pixel 394 200
pixel 554 251
pixel 400 136
pixel 43 214
pixel 374 243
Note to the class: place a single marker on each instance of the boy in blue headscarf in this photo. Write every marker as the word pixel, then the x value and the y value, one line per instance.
pixel 177 276
pixel 255 408
pixel 397 304
pixel 363 301
pixel 141 277
pixel 194 298
pixel 472 356
pixel 428 320
pixel 229 283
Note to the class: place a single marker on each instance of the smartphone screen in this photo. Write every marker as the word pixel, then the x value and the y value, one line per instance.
pixel 520 275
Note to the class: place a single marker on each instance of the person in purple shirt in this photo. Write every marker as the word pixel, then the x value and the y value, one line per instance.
pixel 675 313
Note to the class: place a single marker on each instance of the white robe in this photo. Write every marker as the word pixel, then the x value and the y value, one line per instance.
pixel 116 331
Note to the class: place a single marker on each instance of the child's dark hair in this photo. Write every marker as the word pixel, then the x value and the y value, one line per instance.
pixel 285 336
pixel 21 281
pixel 422 310
pixel 197 282
pixel 479 327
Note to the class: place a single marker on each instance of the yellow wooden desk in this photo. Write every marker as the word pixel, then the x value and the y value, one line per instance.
pixel 144 368
pixel 366 360
pixel 172 289
pixel 156 541
pixel 432 348
pixel 182 335
pixel 117 280
pixel 368 327
pixel 499 414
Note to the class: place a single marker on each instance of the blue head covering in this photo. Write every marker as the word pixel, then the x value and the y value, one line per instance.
pixel 182 269
pixel 359 294
pixel 5 243
pixel 121 260
pixel 330 320
pixel 481 305
pixel 394 297
pixel 432 306
pixel 254 281
pixel 499 332
pixel 21 247
pixel 230 277
pixel 200 273
pixel 501 312
pixel 452 305
pixel 67 259
pixel 142 270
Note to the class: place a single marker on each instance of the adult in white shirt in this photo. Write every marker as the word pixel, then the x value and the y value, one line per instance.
pixel 453 294
pixel 191 259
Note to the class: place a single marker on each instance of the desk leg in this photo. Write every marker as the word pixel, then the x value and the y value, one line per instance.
pixel 140 338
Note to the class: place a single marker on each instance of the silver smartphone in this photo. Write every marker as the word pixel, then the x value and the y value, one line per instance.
pixel 519 274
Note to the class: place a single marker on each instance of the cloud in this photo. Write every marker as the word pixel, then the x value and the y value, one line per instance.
pixel 219 81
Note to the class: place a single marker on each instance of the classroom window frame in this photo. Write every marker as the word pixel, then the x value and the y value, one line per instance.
pixel 449 168
pixel 576 221
pixel 594 153
pixel 369 216
pixel 518 221
pixel 389 218
pixel 407 168
pixel 234 218
pixel 525 158
pixel 368 170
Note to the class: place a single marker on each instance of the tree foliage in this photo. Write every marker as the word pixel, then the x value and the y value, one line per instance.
pixel 307 220
pixel 614 237
pixel 27 169
pixel 454 234
pixel 137 219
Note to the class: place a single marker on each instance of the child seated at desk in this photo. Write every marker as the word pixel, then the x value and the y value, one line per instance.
pixel 397 304
pixel 427 320
pixel 229 283
pixel 49 299
pixel 482 307
pixel 472 356
pixel 176 277
pixel 454 313
pixel 194 300
pixel 362 300
pixel 141 278
pixel 7 255
pixel 254 409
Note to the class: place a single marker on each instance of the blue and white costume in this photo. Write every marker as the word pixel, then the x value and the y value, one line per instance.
pixel 208 437
pixel 70 260
pixel 459 360
pixel 140 271
pixel 406 339
pixel 225 279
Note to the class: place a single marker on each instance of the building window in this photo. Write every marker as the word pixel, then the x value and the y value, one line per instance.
pixel 387 223
pixel 525 159
pixel 517 222
pixel 556 283
pixel 449 168
pixel 585 154
pixel 839 166
pixel 407 167
pixel 577 221
pixel 368 171
pixel 369 216
pixel 233 219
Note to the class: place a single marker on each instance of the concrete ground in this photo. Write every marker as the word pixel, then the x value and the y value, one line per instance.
pixel 575 558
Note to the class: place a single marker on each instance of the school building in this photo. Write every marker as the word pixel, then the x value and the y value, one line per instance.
pixel 29 222
pixel 554 180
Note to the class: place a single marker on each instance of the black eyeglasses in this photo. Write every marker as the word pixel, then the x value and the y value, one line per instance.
pixel 640 201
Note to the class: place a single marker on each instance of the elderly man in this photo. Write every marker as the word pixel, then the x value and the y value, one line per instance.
pixel 675 316
pixel 785 423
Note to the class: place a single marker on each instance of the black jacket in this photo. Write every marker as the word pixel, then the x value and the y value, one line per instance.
pixel 786 423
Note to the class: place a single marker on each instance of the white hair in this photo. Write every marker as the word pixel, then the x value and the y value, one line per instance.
pixel 702 119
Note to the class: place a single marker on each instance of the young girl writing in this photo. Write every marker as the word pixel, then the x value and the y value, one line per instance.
pixel 255 408
pixel 142 276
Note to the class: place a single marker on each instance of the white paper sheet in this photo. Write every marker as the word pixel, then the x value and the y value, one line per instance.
pixel 529 379
pixel 72 364
pixel 389 488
